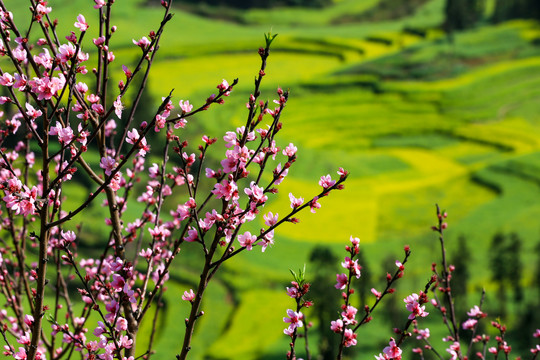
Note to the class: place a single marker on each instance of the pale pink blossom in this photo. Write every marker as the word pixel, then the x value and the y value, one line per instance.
pixel 392 350
pixel 121 324
pixel 341 281
pixel 81 87
pixel 41 9
pixel 475 312
pixel 185 106
pixel 247 240
pixel 453 350
pixel 44 59
pixel 192 235
pixel 469 324
pixel 226 190
pixel 294 319
pixel 20 82
pixel 65 134
pixel 29 320
pixel 353 266
pixel 118 107
pixel 21 354
pixel 376 293
pixel 224 85
pixel 256 193
pixel 99 4
pixel 81 23
pixel 19 53
pixel 270 219
pixel 423 334
pixel 295 203
pixel 6 79
pixel 336 326
pixel 143 42
pixel 349 314
pixel 280 174
pixel 350 338
pixel 24 339
pixel 66 52
pixel 230 139
pixel 290 150
pixel 108 164
pixel 188 296
pixel 314 205
pixel 414 307
pixel 326 182
pixel 32 113
pixel 267 239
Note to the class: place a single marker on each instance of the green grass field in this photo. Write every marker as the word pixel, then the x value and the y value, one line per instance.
pixel 417 121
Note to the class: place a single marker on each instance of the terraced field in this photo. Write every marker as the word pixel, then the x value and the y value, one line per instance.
pixel 417 120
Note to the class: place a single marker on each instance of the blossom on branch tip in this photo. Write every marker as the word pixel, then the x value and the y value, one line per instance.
pixel 224 85
pixel 326 182
pixel 143 42
pixel 188 296
pixel 185 106
pixel 376 293
pixel 290 150
pixel 476 312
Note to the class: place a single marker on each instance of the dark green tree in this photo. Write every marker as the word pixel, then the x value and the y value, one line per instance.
pixel 460 259
pixel 499 268
pixel 247 4
pixel 515 266
pixel 462 14
pixel 326 306
pixel 365 284
pixel 525 9
pixel 391 308
pixel 536 277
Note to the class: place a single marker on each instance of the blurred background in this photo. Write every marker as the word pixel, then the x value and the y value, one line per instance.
pixel 423 101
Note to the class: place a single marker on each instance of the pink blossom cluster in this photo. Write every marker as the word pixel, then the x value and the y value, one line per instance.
pixel 392 351
pixel 345 326
pixel 414 305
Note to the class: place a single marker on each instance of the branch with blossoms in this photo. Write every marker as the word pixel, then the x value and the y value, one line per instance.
pixel 56 108
pixel 295 318
pixel 445 307
pixel 347 326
